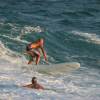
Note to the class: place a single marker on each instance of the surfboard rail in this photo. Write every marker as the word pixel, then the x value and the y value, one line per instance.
pixel 58 68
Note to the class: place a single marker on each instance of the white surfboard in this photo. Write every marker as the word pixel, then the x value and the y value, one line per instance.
pixel 57 68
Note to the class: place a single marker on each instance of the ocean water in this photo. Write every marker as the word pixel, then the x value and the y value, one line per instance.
pixel 71 30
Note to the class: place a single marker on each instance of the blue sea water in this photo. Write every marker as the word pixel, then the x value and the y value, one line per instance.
pixel 71 29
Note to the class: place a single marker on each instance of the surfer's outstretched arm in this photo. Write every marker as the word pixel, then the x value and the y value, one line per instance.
pixel 44 54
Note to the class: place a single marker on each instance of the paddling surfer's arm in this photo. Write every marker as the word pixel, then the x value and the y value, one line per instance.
pixel 28 86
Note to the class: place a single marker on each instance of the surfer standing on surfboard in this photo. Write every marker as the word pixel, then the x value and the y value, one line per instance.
pixel 34 84
pixel 32 50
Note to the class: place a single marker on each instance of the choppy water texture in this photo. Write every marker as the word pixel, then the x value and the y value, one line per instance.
pixel 71 29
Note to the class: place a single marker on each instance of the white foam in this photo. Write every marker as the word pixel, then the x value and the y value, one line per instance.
pixel 6 78
pixel 27 29
pixel 15 39
pixel 94 38
pixel 30 29
pixel 9 55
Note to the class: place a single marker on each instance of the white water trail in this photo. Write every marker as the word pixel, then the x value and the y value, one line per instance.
pixel 94 38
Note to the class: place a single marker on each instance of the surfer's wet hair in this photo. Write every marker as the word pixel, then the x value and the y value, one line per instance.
pixel 33 79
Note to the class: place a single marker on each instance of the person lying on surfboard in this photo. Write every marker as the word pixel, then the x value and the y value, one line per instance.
pixel 32 50
pixel 34 84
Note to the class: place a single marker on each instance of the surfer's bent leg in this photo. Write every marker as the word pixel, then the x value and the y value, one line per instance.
pixel 37 57
pixel 31 59
pixel 31 56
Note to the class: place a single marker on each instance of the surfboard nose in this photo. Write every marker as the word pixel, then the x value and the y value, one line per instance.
pixel 77 65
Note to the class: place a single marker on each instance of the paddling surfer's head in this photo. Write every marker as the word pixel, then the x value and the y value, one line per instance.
pixel 34 80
